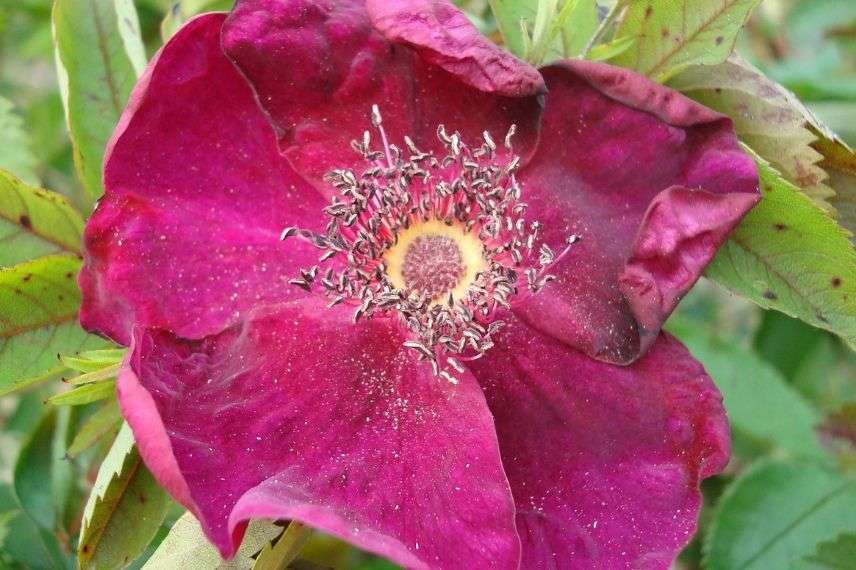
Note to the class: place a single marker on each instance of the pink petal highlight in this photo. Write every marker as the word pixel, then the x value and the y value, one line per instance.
pixel 652 181
pixel 444 36
pixel 604 461
pixel 140 410
pixel 306 416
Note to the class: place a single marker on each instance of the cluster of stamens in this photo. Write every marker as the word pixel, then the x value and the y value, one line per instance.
pixel 447 303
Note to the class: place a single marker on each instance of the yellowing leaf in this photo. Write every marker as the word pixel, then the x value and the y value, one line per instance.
pixel 766 116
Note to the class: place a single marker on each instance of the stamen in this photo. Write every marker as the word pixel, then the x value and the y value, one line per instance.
pixel 438 242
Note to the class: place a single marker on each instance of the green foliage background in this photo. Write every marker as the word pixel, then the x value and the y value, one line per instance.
pixel 785 501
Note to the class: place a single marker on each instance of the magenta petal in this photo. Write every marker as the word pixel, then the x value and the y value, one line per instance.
pixel 652 181
pixel 187 234
pixel 444 36
pixel 318 66
pixel 604 461
pixel 306 416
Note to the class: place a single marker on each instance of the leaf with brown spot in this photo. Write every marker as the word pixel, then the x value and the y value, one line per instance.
pixel 840 427
pixel 792 270
pixel 700 32
pixel 38 320
pixel 35 222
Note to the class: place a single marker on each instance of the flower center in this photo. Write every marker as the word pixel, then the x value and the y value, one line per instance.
pixel 432 265
pixel 435 259
pixel 438 242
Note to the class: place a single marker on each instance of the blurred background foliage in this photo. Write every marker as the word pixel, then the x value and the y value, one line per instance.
pixel 797 415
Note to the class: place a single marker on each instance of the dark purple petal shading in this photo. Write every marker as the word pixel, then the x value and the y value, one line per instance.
pixel 186 236
pixel 604 461
pixel 652 181
pixel 444 36
pixel 305 416
pixel 318 66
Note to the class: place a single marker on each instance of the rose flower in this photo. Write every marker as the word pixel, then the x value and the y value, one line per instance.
pixel 379 276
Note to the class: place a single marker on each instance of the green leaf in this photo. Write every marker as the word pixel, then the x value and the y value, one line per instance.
pixel 39 301
pixel 790 256
pixel 603 52
pixel 98 376
pixel 838 554
pixel 44 484
pixel 671 35
pixel 766 116
pixel 85 394
pixel 546 30
pixel 124 510
pixel 180 12
pixel 775 514
pixel 579 26
pixel 104 421
pixel 35 222
pixel 286 549
pixel 513 18
pixel 5 519
pixel 15 151
pixel 32 547
pixel 99 55
pixel 64 484
pixel 785 342
pixel 187 547
pixel 93 360
pixel 825 375
pixel 33 474
pixel 27 545
pixel 784 422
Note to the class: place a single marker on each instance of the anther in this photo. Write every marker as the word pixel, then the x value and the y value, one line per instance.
pixel 446 305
